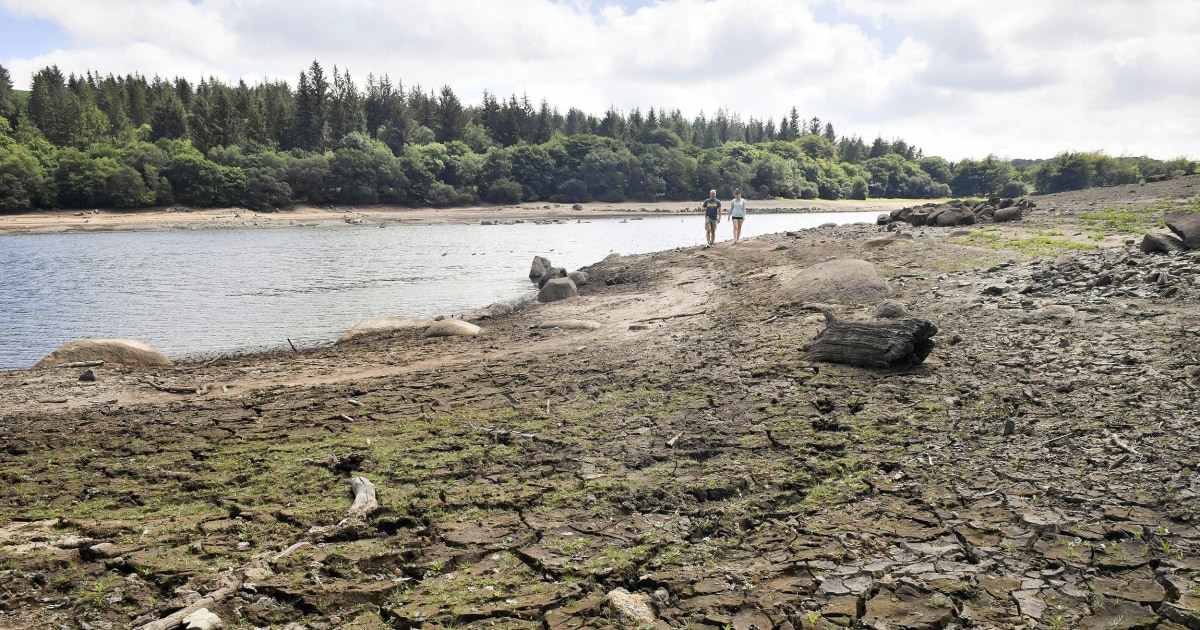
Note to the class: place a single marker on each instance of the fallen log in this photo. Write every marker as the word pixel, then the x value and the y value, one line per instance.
pixel 175 619
pixel 893 344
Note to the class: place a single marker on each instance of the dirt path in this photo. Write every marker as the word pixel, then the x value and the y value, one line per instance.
pixel 1039 470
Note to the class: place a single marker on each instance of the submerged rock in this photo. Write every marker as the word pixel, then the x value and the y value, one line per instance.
pixel 121 351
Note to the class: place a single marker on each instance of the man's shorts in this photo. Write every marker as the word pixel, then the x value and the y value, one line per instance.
pixel 710 223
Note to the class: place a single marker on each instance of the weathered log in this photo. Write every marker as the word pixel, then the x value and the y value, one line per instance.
pixel 175 619
pixel 891 344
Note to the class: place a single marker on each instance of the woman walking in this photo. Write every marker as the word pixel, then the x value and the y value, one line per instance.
pixel 737 214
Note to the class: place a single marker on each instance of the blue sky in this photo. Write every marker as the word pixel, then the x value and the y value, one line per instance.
pixel 958 78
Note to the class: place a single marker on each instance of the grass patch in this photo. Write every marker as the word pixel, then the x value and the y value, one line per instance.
pixel 1040 244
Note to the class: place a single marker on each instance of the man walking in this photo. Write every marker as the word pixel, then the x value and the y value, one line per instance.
pixel 712 216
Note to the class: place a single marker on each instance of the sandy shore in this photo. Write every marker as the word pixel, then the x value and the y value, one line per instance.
pixel 178 218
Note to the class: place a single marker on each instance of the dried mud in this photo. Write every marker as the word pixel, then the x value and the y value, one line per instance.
pixel 1039 470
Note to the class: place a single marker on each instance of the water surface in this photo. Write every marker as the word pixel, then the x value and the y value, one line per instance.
pixel 195 293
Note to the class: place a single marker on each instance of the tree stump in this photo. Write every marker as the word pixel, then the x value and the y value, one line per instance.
pixel 893 344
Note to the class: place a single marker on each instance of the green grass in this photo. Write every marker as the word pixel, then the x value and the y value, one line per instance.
pixel 1040 244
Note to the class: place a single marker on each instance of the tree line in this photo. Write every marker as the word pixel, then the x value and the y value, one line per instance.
pixel 128 142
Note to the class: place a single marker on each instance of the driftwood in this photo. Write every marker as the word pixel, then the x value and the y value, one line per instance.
pixel 893 344
pixel 364 504
pixel 175 619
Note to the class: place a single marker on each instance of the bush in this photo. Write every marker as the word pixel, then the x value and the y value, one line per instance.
pixel 573 191
pixel 504 191
pixel 1014 188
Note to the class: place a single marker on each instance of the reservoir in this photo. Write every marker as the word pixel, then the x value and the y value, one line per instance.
pixel 198 293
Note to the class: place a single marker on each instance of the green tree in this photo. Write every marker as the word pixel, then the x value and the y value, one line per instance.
pixel 312 107
pixel 23 181
pixel 8 102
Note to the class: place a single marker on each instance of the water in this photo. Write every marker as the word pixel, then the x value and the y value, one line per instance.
pixel 196 293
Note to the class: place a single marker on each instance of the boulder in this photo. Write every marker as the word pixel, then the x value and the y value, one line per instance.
pixel 550 274
pixel 452 328
pixel 847 281
pixel 121 351
pixel 377 325
pixel 557 289
pixel 580 278
pixel 890 309
pixel 1161 243
pixel 1186 225
pixel 539 267
pixel 1011 213
pixel 633 610
pixel 202 619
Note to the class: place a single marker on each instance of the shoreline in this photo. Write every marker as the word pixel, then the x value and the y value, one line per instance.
pixel 180 218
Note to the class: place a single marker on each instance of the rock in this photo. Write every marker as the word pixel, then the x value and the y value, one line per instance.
pixel 539 267
pixel 452 328
pixel 1011 213
pixel 202 619
pixel 890 309
pixel 258 574
pixel 633 609
pixel 121 351
pixel 557 289
pixel 883 219
pixel 580 278
pixel 550 274
pixel 88 376
pixel 1161 243
pixel 1186 225
pixel 847 281
pixel 377 325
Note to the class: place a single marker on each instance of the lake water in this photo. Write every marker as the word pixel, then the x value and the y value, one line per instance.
pixel 197 293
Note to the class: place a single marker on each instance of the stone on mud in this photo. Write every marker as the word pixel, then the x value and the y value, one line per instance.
pixel 1004 215
pixel 1186 225
pixel 557 289
pixel 633 609
pixel 539 267
pixel 580 278
pixel 452 328
pixel 1161 243
pixel 203 619
pixel 550 274
pixel 848 281
pixel 377 325
pixel 121 351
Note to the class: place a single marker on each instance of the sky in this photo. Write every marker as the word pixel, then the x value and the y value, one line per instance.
pixel 957 78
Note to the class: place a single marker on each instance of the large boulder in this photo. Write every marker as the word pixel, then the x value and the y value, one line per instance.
pixel 550 274
pixel 557 289
pixel 580 278
pixel 846 281
pixel 1161 243
pixel 377 325
pixel 452 328
pixel 1011 213
pixel 1186 225
pixel 539 267
pixel 120 351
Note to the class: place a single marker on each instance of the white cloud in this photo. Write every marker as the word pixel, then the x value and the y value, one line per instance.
pixel 1019 78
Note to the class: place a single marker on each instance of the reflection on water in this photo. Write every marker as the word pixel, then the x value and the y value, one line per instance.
pixel 192 293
